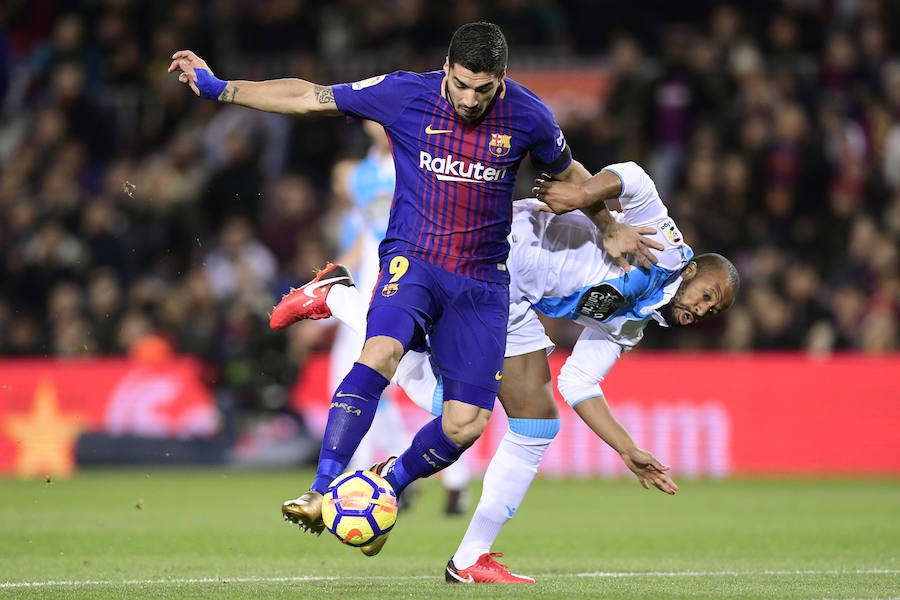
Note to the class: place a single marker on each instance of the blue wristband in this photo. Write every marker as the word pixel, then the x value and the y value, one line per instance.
pixel 210 86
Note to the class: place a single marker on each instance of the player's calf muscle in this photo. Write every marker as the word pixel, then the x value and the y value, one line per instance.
pixel 463 423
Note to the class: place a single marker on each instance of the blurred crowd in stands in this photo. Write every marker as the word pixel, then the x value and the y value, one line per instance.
pixel 132 210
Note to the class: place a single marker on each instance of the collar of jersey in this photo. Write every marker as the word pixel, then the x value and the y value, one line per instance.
pixel 668 291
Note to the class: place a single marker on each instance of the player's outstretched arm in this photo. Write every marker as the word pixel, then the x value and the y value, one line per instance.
pixel 596 414
pixel 284 96
pixel 578 382
pixel 620 240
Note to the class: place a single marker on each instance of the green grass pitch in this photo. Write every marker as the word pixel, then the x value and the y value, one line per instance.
pixel 218 534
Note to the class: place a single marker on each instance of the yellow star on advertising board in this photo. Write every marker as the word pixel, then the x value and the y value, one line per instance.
pixel 45 436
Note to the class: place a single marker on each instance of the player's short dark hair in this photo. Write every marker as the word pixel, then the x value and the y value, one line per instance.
pixel 479 47
pixel 711 260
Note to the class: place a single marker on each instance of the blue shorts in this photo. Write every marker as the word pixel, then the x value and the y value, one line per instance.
pixel 462 320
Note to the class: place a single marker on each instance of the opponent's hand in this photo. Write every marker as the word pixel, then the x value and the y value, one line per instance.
pixel 649 470
pixel 621 241
pixel 558 196
pixel 187 62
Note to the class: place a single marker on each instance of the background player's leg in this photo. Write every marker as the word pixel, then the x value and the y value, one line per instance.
pixel 417 378
pixel 349 306
pixel 456 479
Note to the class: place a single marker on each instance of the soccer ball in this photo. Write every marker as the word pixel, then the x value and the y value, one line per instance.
pixel 358 507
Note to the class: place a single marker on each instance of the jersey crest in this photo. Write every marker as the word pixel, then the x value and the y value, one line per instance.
pixel 599 302
pixel 500 144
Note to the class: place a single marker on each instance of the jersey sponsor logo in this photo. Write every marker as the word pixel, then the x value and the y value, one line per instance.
pixel 364 83
pixel 390 289
pixel 561 140
pixel 500 144
pixel 447 168
pixel 430 131
pixel 600 302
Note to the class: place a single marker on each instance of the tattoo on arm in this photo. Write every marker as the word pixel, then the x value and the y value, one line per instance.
pixel 227 96
pixel 324 94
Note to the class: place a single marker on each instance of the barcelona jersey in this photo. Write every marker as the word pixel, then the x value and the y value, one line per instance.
pixel 452 204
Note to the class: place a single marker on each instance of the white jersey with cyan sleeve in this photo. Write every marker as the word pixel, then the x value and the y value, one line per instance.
pixel 558 267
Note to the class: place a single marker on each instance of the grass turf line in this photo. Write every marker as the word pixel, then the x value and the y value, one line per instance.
pixel 218 534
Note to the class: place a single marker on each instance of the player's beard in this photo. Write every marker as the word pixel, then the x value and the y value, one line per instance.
pixel 668 313
pixel 469 117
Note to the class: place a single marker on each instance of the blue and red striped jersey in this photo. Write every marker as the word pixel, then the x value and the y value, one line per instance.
pixel 452 202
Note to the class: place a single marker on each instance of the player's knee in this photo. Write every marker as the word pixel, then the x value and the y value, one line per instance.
pixel 382 353
pixel 530 404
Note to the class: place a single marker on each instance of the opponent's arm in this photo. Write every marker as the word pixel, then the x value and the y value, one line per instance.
pixel 285 96
pixel 595 413
pixel 575 173
pixel 579 381
pixel 575 188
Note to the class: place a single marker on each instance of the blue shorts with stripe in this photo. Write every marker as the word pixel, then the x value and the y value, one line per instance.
pixel 460 319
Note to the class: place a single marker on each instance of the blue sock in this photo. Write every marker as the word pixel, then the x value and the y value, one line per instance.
pixel 431 450
pixel 352 410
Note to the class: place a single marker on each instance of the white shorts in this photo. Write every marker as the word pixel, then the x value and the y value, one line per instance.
pixel 525 332
pixel 527 266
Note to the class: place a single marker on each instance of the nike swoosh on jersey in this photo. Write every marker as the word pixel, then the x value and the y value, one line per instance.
pixel 431 131
pixel 346 395
pixel 498 376
pixel 310 289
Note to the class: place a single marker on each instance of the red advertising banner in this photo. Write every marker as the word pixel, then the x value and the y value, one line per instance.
pixel 711 415
pixel 45 405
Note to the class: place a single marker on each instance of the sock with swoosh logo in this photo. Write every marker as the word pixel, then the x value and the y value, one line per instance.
pixel 431 451
pixel 351 413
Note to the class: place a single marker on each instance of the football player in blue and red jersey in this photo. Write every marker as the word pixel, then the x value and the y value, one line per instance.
pixel 458 136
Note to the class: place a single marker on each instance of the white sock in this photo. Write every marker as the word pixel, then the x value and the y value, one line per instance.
pixel 415 376
pixel 457 475
pixel 508 476
pixel 349 307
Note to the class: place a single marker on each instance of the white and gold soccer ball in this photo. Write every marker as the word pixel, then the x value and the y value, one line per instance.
pixel 358 507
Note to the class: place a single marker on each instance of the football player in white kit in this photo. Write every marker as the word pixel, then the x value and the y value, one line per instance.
pixel 558 267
